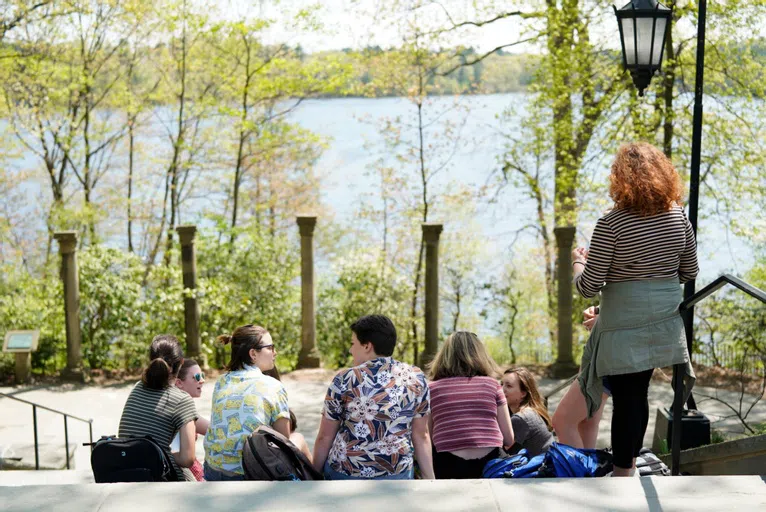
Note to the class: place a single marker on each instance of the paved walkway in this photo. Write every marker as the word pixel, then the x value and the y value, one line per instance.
pixel 306 390
pixel 666 494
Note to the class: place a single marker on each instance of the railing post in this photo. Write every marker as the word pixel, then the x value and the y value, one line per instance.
pixel 90 433
pixel 431 233
pixel 678 398
pixel 308 357
pixel 66 441
pixel 186 235
pixel 69 275
pixel 34 425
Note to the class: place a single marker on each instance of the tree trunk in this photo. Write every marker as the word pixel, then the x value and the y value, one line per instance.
pixel 419 266
pixel 668 82
pixel 131 149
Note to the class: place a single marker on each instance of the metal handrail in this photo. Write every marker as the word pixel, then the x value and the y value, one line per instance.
pixel 719 283
pixel 678 369
pixel 66 426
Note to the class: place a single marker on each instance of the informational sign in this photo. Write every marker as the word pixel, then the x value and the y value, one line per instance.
pixel 21 341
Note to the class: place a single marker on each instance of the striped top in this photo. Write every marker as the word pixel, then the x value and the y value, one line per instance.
pixel 464 412
pixel 628 247
pixel 159 413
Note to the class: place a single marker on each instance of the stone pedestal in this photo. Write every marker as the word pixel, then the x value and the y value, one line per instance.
pixel 67 241
pixel 186 234
pixel 431 233
pixel 308 356
pixel 23 367
pixel 564 366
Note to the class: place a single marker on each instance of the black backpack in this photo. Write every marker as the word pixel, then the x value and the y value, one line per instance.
pixel 131 459
pixel 268 455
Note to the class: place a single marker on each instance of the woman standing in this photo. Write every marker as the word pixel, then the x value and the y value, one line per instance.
pixel 530 420
pixel 640 252
pixel 157 408
pixel 571 420
pixel 469 421
pixel 243 400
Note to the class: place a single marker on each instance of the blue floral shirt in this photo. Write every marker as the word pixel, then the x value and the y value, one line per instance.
pixel 375 403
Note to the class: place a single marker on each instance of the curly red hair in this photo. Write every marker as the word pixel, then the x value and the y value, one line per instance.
pixel 644 180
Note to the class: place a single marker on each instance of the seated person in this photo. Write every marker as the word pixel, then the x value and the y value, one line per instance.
pixel 156 407
pixel 469 419
pixel 297 438
pixel 244 398
pixel 530 420
pixel 376 411
pixel 190 379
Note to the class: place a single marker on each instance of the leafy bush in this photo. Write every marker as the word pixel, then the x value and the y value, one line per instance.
pixel 363 286
pixel 111 313
pixel 27 302
pixel 255 281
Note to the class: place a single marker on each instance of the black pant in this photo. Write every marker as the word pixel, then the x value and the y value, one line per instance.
pixel 448 466
pixel 630 415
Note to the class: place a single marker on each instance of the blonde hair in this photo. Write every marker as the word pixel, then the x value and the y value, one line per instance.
pixel 533 400
pixel 463 355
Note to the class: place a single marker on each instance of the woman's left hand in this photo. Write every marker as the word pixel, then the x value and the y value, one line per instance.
pixel 580 254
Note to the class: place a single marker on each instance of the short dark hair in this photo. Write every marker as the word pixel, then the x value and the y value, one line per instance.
pixel 185 366
pixel 378 330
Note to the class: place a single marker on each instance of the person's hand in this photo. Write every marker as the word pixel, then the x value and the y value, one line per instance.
pixel 580 255
pixel 590 315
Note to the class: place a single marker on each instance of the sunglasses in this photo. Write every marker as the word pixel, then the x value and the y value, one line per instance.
pixel 199 377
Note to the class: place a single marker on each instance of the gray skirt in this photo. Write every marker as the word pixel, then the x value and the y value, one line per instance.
pixel 639 327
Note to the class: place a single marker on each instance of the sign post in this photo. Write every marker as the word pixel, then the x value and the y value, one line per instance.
pixel 22 343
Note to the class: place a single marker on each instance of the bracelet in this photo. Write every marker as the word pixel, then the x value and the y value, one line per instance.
pixel 578 261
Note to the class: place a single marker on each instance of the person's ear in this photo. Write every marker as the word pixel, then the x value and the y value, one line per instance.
pixel 253 355
pixel 178 382
pixel 368 348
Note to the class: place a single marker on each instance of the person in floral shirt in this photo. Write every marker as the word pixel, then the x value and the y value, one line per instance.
pixel 374 420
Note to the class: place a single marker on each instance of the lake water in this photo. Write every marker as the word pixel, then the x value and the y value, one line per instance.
pixel 354 142
pixel 352 128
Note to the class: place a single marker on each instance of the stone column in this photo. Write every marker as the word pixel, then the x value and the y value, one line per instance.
pixel 69 275
pixel 564 366
pixel 431 234
pixel 191 306
pixel 308 357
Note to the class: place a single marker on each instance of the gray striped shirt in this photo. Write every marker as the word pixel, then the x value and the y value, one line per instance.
pixel 628 247
pixel 159 413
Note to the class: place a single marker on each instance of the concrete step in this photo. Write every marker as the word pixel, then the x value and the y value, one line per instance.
pixel 51 477
pixel 20 456
pixel 721 493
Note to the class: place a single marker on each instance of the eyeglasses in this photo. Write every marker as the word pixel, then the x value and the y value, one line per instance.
pixel 267 346
pixel 199 377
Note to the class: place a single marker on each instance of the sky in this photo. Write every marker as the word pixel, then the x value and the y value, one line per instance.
pixel 353 24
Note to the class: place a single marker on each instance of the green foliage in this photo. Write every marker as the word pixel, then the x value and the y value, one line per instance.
pixel 111 312
pixel 33 303
pixel 254 281
pixel 716 436
pixel 363 286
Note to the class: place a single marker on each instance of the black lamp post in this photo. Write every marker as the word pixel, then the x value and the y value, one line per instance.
pixel 643 27
pixel 641 22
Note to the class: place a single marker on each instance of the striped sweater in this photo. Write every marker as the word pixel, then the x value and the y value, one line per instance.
pixel 159 413
pixel 628 247
pixel 464 413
